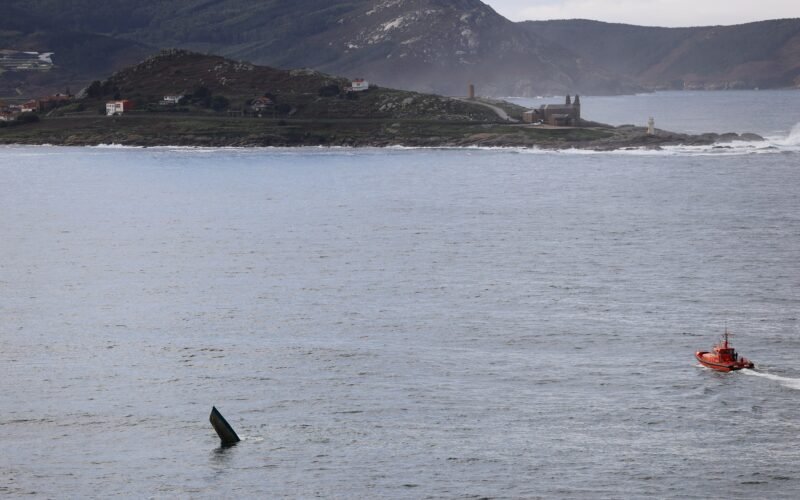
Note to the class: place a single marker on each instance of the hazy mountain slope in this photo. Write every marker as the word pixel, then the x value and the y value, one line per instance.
pixel 763 54
pixel 430 45
pixel 442 45
pixel 272 29
pixel 79 58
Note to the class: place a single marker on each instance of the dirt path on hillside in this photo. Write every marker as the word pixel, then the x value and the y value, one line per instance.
pixel 499 111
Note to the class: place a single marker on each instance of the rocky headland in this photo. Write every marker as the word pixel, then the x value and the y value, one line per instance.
pixel 182 98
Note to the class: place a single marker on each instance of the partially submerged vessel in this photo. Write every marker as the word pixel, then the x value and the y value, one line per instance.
pixel 723 357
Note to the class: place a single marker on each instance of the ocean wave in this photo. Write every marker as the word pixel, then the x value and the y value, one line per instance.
pixel 115 146
pixel 791 140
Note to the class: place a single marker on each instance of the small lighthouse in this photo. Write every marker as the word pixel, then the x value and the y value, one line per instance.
pixel 651 126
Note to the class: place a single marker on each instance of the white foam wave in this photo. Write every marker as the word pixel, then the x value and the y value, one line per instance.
pixel 770 145
pixel 252 439
pixel 791 383
pixel 792 140
pixel 115 146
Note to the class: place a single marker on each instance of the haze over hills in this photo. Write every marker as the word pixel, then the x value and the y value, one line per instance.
pixel 80 58
pixel 755 55
pixel 427 45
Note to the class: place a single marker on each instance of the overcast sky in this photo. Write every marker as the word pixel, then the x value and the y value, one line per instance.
pixel 650 12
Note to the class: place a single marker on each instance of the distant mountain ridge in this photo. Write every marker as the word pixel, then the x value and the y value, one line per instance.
pixel 763 54
pixel 428 45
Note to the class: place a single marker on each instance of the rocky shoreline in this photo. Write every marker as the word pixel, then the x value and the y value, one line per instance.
pixel 221 102
pixel 148 131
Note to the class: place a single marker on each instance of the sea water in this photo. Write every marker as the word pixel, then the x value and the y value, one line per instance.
pixel 401 323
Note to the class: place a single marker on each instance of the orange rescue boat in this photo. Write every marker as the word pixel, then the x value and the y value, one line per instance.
pixel 723 358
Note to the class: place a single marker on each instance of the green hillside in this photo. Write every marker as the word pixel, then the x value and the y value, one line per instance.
pixel 296 93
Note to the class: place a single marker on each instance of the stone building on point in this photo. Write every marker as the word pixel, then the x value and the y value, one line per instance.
pixel 556 115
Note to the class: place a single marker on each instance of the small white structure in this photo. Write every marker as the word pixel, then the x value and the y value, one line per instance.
pixel 359 85
pixel 171 100
pixel 30 107
pixel 651 126
pixel 114 108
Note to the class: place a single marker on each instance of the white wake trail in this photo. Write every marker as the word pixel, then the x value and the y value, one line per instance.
pixel 791 383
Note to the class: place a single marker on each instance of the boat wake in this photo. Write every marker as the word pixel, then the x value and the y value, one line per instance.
pixel 791 383
pixel 252 439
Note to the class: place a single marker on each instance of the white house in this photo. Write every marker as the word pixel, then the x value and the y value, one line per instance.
pixel 359 85
pixel 118 107
pixel 30 107
pixel 171 100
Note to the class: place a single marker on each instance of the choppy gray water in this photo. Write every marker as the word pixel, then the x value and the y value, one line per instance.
pixel 393 323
